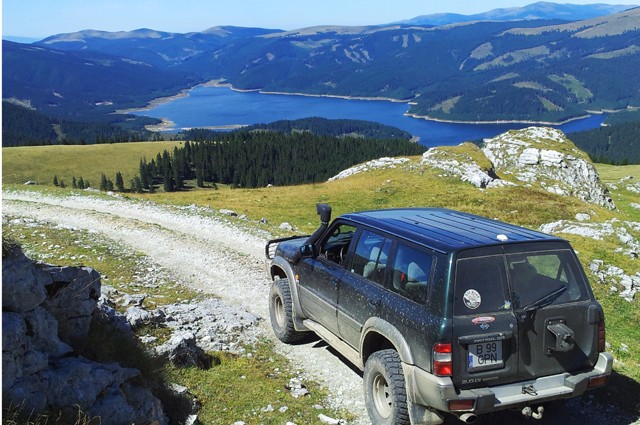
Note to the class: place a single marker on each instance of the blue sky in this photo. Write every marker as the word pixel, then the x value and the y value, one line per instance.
pixel 41 18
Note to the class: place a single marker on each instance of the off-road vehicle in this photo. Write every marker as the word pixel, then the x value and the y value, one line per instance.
pixel 445 312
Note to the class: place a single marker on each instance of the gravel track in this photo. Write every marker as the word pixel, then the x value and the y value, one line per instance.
pixel 207 252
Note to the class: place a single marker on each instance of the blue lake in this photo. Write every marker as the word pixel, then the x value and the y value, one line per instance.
pixel 217 107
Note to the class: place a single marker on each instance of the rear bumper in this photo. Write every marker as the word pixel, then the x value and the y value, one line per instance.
pixel 436 392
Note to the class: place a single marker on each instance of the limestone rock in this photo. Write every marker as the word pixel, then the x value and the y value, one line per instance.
pixel 465 161
pixel 545 158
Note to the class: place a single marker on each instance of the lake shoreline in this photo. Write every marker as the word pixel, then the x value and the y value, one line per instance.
pixel 235 108
pixel 219 83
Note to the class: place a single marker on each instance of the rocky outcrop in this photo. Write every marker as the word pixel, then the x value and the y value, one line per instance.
pixel 544 157
pixel 46 314
pixel 534 157
pixel 466 162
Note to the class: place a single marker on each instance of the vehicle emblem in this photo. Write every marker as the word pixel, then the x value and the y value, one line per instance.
pixel 484 326
pixel 472 299
pixel 482 319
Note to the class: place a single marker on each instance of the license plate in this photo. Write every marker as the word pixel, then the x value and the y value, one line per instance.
pixel 487 355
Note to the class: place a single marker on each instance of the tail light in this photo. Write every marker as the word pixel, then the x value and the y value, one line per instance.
pixel 442 361
pixel 602 337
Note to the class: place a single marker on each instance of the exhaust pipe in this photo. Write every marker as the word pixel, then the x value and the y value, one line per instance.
pixel 468 418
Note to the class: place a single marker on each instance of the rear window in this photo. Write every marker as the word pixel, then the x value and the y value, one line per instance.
pixel 493 283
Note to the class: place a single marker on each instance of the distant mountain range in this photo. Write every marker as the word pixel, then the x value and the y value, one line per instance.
pixel 499 66
pixel 539 10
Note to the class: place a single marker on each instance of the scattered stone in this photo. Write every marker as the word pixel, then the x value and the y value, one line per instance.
pixel 229 212
pixel 267 409
pixel 331 421
pixel 286 226
pixel 583 217
pixel 374 164
pixel 182 351
pixel 607 274
pixel 296 388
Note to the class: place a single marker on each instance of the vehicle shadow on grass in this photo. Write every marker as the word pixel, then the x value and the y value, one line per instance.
pixel 615 404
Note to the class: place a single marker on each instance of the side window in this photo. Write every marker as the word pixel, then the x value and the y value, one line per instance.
pixel 370 257
pixel 480 286
pixel 336 243
pixel 411 272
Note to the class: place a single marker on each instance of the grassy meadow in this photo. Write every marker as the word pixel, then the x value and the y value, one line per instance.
pixel 41 163
pixel 407 185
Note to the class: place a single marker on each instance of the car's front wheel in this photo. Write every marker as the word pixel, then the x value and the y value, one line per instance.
pixel 384 389
pixel 281 312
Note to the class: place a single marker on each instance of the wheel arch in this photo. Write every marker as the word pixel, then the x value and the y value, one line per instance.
pixel 378 334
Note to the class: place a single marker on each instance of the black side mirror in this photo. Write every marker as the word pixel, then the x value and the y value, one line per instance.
pixel 324 211
pixel 306 251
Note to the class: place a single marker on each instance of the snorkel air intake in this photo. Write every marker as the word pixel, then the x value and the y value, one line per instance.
pixel 324 211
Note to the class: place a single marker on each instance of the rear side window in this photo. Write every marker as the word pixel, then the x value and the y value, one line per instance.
pixel 481 284
pixel 411 272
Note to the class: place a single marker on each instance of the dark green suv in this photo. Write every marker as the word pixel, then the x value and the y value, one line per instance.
pixel 445 312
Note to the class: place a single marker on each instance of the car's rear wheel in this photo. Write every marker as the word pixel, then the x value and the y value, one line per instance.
pixel 384 389
pixel 281 312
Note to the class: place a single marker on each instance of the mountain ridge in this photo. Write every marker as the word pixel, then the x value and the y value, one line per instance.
pixel 538 10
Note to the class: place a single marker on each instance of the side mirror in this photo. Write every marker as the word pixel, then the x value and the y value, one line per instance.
pixel 306 251
pixel 324 211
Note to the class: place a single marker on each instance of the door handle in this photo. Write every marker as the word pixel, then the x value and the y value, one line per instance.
pixel 373 303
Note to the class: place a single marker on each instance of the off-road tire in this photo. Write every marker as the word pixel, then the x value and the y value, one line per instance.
pixel 281 312
pixel 385 392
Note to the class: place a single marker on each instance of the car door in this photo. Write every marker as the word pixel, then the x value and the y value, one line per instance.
pixel 319 276
pixel 558 319
pixel 361 290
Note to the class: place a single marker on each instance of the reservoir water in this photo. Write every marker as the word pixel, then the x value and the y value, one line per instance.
pixel 220 107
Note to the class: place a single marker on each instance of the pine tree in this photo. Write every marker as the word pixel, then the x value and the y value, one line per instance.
pixel 103 183
pixel 119 182
pixel 81 184
pixel 74 183
pixel 55 181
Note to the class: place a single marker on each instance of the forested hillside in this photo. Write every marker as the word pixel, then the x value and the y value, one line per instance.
pixel 617 144
pixel 327 127
pixel 25 127
pixel 257 159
